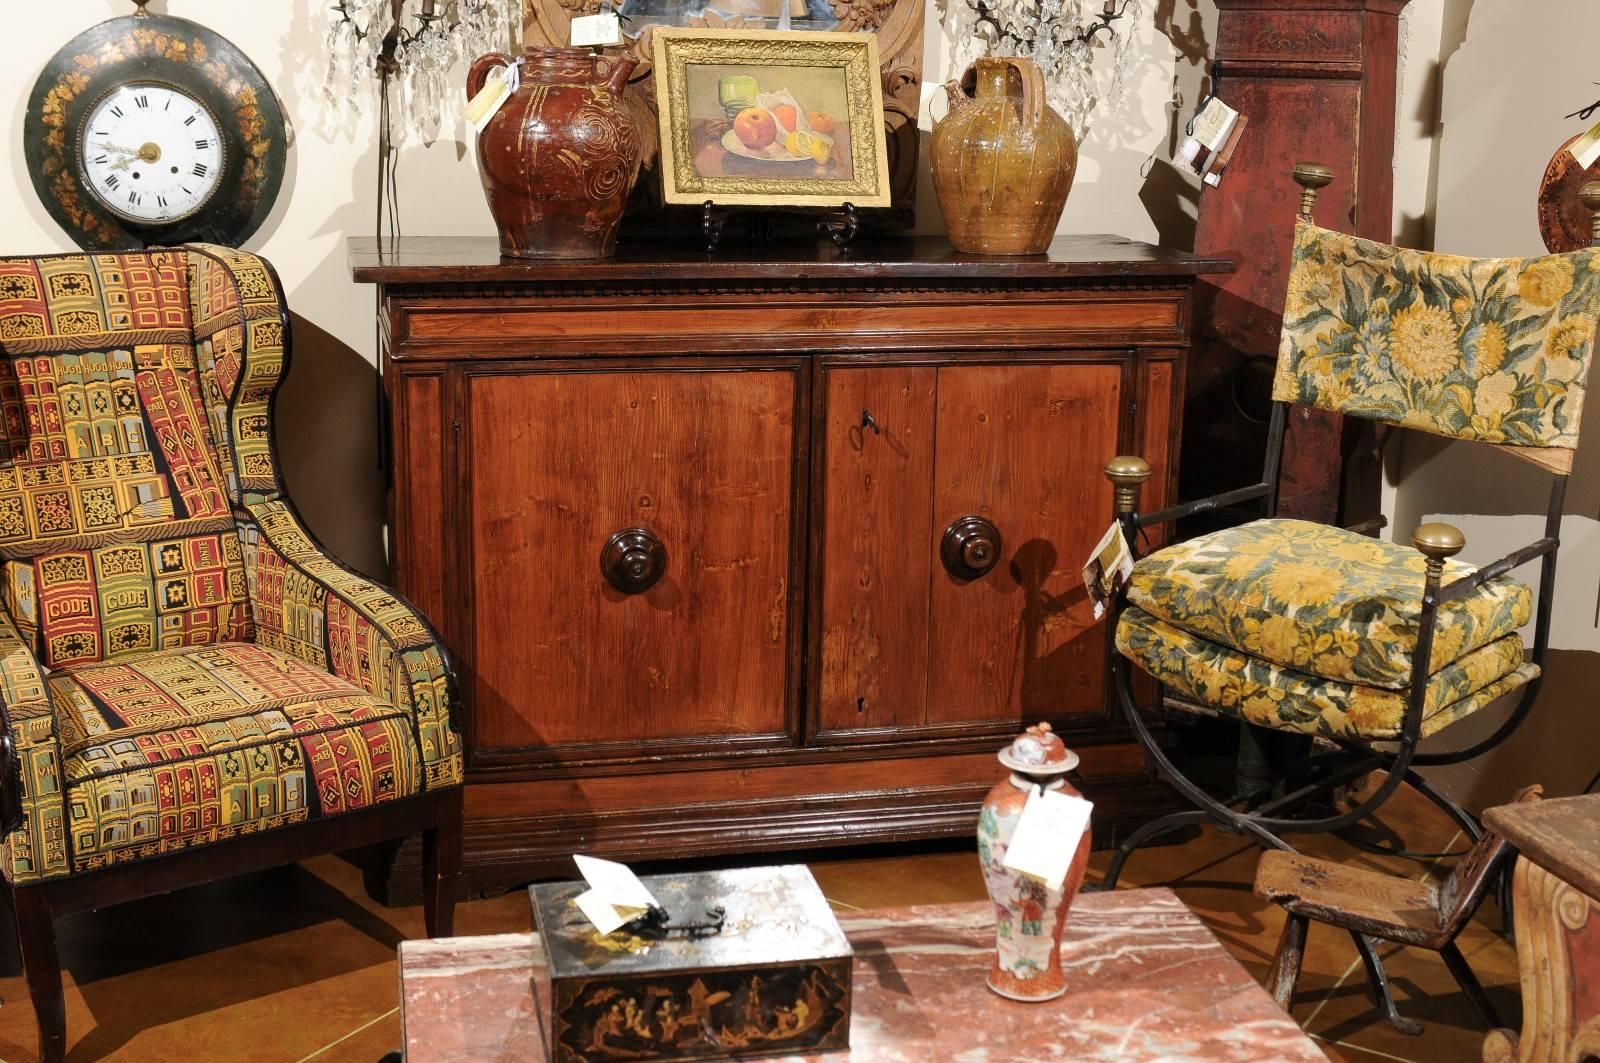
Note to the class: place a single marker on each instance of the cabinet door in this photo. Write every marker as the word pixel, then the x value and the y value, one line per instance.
pixel 1022 446
pixel 904 641
pixel 876 552
pixel 560 462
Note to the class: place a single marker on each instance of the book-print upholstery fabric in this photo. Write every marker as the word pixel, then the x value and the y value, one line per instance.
pixel 193 745
pixel 179 660
pixel 1495 350
pixel 1320 600
pixel 1286 699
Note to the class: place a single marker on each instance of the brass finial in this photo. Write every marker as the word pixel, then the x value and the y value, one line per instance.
pixel 1590 195
pixel 141 12
pixel 1437 542
pixel 1128 473
pixel 1311 176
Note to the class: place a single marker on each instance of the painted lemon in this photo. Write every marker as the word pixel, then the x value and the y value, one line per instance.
pixel 801 143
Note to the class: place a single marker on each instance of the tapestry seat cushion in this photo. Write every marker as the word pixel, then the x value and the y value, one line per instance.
pixel 188 746
pixel 1285 699
pixel 1324 602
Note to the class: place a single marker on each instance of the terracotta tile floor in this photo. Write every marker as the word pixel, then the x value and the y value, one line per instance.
pixel 297 963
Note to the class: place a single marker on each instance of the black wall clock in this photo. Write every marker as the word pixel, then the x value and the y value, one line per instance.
pixel 150 129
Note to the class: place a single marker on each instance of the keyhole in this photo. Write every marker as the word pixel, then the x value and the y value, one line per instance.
pixel 861 704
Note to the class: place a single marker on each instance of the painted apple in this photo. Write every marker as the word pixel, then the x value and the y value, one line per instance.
pixel 821 121
pixel 754 126
pixel 786 115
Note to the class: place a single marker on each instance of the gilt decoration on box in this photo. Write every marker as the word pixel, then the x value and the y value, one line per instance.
pixel 766 972
pixel 897 27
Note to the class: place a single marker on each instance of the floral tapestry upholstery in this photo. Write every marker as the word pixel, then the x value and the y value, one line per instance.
pixel 1325 602
pixel 1285 699
pixel 194 745
pixel 1495 350
pixel 167 620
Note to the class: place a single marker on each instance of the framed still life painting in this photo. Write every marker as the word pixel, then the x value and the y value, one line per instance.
pixel 770 118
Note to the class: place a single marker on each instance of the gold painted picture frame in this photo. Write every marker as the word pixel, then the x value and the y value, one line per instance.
pixel 770 118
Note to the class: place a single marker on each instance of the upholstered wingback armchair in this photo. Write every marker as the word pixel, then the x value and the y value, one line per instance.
pixel 191 686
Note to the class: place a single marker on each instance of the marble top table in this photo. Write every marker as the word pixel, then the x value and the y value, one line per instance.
pixel 1147 981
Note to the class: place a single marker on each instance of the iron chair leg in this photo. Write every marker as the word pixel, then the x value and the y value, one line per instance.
pixel 1470 985
pixel 1286 961
pixel 41 966
pixel 1380 986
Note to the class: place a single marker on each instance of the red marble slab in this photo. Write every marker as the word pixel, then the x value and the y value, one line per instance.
pixel 1146 981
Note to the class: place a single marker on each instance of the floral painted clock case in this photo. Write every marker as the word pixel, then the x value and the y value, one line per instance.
pixel 153 130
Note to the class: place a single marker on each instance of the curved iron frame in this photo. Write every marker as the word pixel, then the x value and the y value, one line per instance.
pixel 1267 820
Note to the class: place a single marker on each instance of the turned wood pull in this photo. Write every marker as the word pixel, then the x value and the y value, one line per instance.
pixel 971 547
pixel 633 560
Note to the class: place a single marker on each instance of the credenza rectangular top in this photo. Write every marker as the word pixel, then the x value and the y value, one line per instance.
pixel 477 260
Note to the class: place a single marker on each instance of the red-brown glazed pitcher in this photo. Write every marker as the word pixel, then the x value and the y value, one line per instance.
pixel 560 156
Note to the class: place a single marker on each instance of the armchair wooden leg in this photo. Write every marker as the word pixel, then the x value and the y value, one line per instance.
pixel 1286 963
pixel 441 864
pixel 36 933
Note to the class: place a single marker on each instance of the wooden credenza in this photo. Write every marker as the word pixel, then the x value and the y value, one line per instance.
pixel 767 549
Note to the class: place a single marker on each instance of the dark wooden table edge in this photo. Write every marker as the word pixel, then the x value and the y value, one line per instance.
pixel 424 259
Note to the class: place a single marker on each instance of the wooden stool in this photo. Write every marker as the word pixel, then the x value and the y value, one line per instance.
pixel 1371 904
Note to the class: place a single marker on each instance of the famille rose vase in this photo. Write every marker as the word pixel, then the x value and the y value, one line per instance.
pixel 559 158
pixel 1028 916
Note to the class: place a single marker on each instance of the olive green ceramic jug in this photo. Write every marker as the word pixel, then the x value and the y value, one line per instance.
pixel 1002 160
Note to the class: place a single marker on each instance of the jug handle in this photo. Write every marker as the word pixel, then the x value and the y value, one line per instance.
pixel 479 73
pixel 1032 90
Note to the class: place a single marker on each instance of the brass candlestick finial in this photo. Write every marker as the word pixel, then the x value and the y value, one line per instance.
pixel 141 12
pixel 1437 542
pixel 1589 194
pixel 1311 176
pixel 1128 473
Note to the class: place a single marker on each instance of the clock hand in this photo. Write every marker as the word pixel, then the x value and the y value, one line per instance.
pixel 121 150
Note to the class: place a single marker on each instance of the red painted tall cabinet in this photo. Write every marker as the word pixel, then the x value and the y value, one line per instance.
pixel 1317 79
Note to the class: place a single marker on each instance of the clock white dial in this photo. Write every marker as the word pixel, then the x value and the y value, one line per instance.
pixel 151 153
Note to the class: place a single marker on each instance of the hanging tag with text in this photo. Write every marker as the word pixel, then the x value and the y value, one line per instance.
pixel 596 31
pixel 615 895
pixel 1047 835
pixel 1208 132
pixel 1586 149
pixel 498 86
pixel 1108 568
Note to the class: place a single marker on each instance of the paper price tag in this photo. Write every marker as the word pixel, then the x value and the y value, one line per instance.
pixel 1047 836
pixel 596 31
pixel 1213 124
pixel 1586 149
pixel 615 895
pixel 498 86
pixel 1108 568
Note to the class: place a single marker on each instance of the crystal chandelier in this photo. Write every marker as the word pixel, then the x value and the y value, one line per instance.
pixel 402 55
pixel 1059 36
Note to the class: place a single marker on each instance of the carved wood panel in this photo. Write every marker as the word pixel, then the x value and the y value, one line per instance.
pixel 1558 956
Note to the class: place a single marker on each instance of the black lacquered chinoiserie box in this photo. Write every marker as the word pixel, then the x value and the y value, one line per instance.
pixel 748 962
